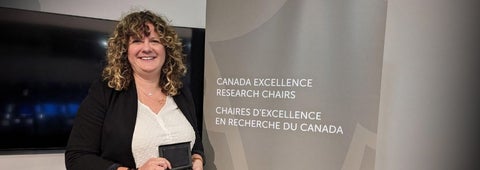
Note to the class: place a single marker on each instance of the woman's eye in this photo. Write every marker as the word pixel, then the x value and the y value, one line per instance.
pixel 135 40
pixel 156 41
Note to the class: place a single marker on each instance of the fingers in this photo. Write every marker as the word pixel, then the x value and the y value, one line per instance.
pixel 197 165
pixel 156 163
pixel 162 162
pixel 165 163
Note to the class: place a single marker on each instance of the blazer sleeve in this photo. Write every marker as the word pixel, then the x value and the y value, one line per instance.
pixel 83 147
pixel 189 106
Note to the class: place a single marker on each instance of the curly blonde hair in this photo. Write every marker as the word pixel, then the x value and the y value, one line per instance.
pixel 118 71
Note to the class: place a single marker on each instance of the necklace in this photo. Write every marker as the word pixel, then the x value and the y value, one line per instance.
pixel 150 96
pixel 145 93
pixel 151 93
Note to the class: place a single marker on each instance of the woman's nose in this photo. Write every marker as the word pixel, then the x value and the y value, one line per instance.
pixel 147 47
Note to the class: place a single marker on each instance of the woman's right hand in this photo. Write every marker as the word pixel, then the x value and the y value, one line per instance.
pixel 156 164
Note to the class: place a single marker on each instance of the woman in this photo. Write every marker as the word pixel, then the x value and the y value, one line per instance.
pixel 139 104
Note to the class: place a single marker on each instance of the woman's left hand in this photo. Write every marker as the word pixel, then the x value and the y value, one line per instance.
pixel 197 164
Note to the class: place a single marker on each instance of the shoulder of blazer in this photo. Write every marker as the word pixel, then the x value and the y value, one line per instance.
pixel 185 98
pixel 185 103
pixel 100 87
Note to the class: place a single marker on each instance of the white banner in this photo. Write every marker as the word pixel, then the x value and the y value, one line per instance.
pixel 292 84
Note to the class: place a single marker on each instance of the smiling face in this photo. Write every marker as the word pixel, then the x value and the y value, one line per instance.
pixel 146 54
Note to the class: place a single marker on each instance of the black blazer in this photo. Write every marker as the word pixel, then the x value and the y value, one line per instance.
pixel 102 132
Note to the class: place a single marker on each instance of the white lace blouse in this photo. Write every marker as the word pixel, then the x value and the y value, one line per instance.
pixel 168 126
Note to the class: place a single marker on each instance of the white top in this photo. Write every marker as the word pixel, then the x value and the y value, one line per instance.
pixel 152 130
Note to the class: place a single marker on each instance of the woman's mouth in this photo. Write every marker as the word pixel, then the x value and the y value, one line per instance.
pixel 147 58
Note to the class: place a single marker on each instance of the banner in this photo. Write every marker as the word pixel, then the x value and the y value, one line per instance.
pixel 292 84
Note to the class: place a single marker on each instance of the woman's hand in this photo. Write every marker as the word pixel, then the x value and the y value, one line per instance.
pixel 197 162
pixel 156 164
pixel 197 165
